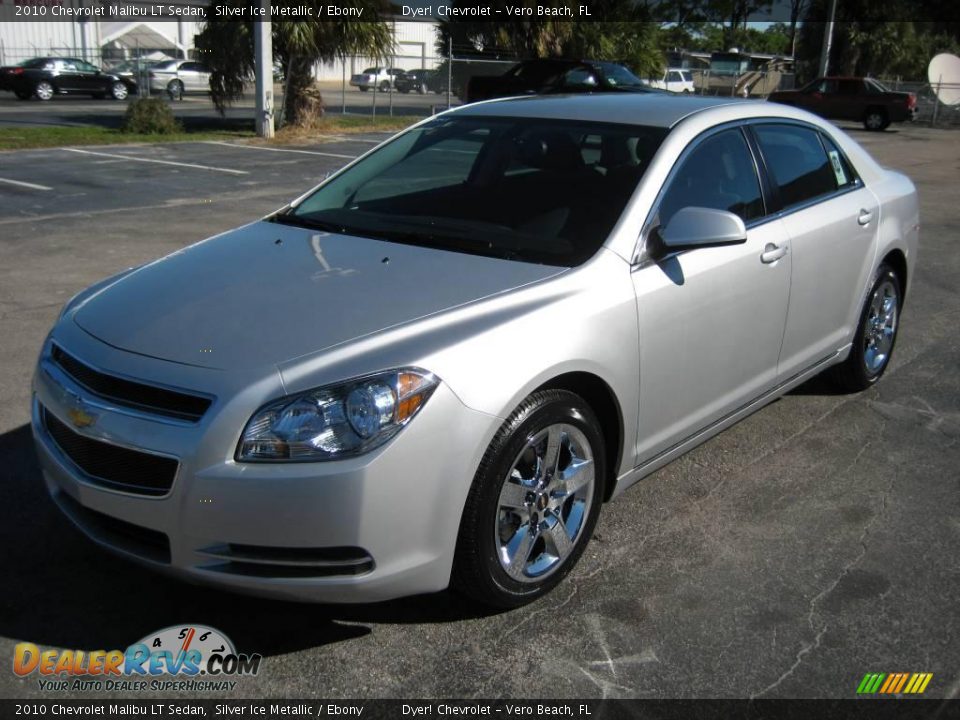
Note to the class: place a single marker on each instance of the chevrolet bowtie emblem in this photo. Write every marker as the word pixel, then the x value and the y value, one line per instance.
pixel 81 418
pixel 77 411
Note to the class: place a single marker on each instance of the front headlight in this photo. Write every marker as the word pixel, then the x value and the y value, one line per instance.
pixel 338 420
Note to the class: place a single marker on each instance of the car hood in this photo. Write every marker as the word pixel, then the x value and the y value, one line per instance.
pixel 267 293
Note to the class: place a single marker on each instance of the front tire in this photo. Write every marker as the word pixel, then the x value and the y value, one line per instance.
pixel 44 90
pixel 118 91
pixel 534 502
pixel 385 86
pixel 876 334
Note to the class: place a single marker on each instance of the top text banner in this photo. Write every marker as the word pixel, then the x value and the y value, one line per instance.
pixel 332 10
pixel 499 11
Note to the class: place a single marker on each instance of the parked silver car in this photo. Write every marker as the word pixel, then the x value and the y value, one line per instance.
pixel 178 77
pixel 380 78
pixel 436 366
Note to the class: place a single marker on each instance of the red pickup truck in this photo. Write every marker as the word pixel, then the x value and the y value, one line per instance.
pixel 850 98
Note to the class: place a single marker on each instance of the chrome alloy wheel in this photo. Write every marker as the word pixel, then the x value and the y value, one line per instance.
pixel 881 326
pixel 44 90
pixel 544 502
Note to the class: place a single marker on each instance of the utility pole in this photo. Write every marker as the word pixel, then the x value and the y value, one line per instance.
pixel 827 39
pixel 263 68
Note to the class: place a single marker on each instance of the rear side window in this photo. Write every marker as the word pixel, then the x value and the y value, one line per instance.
pixel 718 174
pixel 842 170
pixel 800 166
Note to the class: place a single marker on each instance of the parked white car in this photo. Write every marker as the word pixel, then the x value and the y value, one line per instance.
pixel 676 80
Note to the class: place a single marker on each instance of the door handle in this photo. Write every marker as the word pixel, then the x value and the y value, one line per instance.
pixel 771 253
pixel 865 217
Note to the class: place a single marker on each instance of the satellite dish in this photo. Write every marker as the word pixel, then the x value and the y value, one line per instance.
pixel 944 76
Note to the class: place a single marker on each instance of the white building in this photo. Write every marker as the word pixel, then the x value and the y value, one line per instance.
pixel 415 46
pixel 111 41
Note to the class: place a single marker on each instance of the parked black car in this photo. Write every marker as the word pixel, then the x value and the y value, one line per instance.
pixel 49 76
pixel 420 81
pixel 535 77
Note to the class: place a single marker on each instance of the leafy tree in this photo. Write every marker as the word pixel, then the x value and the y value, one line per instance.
pixel 864 43
pixel 227 48
pixel 626 35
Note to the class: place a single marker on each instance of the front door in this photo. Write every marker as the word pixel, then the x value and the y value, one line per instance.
pixel 711 319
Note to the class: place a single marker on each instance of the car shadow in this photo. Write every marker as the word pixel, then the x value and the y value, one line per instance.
pixel 61 590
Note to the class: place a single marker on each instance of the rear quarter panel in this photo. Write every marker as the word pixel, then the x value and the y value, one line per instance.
pixel 899 219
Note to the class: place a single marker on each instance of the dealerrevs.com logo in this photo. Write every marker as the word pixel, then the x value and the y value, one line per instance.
pixel 181 657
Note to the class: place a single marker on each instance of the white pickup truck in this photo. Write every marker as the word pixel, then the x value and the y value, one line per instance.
pixel 676 80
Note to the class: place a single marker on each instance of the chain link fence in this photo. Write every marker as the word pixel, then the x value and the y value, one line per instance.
pixel 401 84
pixel 930 110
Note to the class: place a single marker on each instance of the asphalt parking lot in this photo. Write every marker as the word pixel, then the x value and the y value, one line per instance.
pixel 810 544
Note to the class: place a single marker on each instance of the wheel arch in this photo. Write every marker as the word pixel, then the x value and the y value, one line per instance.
pixel 603 401
pixel 898 261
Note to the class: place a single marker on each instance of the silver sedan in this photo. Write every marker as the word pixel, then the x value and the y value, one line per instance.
pixel 436 367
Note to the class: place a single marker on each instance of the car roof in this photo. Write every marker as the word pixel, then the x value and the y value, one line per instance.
pixel 650 109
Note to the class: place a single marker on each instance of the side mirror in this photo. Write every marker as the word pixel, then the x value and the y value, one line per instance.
pixel 696 227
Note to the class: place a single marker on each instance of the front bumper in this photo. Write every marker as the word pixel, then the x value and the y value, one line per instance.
pixel 363 529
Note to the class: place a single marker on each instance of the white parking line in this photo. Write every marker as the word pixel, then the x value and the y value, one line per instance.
pixel 286 150
pixel 159 162
pixel 25 184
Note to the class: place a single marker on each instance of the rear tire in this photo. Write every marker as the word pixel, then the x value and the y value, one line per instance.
pixel 534 502
pixel 361 88
pixel 385 86
pixel 876 119
pixel 175 90
pixel 876 334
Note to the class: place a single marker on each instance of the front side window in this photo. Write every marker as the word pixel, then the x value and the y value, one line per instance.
pixel 718 174
pixel 527 189
pixel 799 164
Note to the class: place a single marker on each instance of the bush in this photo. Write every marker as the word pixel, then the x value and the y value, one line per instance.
pixel 150 116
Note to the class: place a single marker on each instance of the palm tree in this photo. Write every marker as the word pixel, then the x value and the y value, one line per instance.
pixel 298 45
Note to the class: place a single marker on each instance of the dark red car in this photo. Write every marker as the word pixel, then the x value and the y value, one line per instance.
pixel 850 98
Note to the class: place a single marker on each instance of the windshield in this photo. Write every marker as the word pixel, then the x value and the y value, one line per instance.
pixel 533 190
pixel 619 75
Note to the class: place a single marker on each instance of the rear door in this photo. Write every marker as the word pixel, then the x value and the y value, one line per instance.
pixel 832 220
pixel 850 100
pixel 711 319
pixel 66 75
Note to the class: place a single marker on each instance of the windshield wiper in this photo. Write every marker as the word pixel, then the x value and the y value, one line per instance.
pixel 287 218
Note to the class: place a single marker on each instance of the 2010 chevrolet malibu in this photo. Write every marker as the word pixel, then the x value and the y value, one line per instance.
pixel 435 367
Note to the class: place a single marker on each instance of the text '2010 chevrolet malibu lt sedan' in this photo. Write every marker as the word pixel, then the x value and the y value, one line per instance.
pixel 434 368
